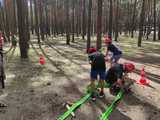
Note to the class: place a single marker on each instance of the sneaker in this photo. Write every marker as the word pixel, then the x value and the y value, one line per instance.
pixel 101 94
pixel 93 97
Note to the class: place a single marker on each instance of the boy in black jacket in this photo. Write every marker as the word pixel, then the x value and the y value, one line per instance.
pixel 98 69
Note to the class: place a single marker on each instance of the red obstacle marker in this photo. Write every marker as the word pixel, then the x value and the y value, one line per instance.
pixel 42 60
pixel 143 80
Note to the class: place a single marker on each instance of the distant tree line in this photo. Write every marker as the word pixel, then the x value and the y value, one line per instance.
pixel 79 18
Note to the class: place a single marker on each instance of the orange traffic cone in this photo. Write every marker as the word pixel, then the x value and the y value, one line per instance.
pixel 143 80
pixel 42 60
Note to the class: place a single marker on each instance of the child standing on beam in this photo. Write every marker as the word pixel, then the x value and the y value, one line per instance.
pixel 98 69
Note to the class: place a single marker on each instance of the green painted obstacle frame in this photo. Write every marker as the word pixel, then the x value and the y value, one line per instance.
pixel 109 109
pixel 105 115
pixel 75 106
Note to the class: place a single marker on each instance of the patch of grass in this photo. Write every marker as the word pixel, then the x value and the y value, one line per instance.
pixel 129 46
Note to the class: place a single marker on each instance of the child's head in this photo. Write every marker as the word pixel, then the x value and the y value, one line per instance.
pixel 92 50
pixel 129 67
pixel 108 40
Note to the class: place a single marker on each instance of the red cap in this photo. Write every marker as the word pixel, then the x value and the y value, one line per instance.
pixel 92 50
pixel 129 67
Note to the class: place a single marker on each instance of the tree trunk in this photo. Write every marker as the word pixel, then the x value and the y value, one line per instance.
pixel 41 19
pixel 47 20
pixel 27 21
pixel 31 14
pixel 89 25
pixel 7 29
pixel 116 21
pixel 52 20
pixel 159 32
pixel 154 36
pixel 67 23
pixel 159 25
pixel 110 18
pixel 36 21
pixel 1 19
pixel 141 23
pixel 23 41
pixel 77 21
pixel 73 23
pixel 55 20
pixel 133 19
pixel 84 19
pixel 99 25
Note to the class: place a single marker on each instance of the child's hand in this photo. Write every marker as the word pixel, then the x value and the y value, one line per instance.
pixel 90 62
pixel 119 81
pixel 106 58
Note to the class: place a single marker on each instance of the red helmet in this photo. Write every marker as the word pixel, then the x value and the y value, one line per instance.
pixel 129 67
pixel 108 40
pixel 92 50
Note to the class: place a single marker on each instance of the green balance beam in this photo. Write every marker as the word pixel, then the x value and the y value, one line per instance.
pixel 109 109
pixel 106 114
pixel 75 106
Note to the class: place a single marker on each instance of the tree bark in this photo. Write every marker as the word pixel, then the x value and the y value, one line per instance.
pixel 89 24
pixel 99 25
pixel 41 12
pixel 84 19
pixel 23 41
pixel 73 23
pixel 31 14
pixel 116 21
pixel 141 24
pixel 36 21
pixel 159 32
pixel 154 36
pixel 67 23
pixel 47 20
pixel 110 18
pixel 133 19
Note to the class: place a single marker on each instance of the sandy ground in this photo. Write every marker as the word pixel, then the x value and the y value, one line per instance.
pixel 38 92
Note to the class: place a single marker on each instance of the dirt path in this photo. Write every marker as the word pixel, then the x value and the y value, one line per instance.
pixel 36 92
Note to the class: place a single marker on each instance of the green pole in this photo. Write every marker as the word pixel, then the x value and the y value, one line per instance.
pixel 75 106
pixel 108 111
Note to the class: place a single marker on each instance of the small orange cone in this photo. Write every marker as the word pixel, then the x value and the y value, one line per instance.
pixel 42 60
pixel 143 80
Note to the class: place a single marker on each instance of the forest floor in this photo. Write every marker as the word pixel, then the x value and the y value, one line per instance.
pixel 38 92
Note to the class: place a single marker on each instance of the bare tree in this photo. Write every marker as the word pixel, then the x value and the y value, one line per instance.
pixel 133 19
pixel 67 23
pixel 23 38
pixel 154 36
pixel 99 24
pixel 84 19
pixel 89 24
pixel 110 18
pixel 141 24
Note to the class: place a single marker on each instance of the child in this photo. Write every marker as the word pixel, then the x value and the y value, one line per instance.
pixel 98 68
pixel 115 76
pixel 117 54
